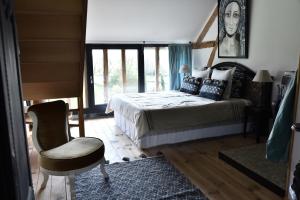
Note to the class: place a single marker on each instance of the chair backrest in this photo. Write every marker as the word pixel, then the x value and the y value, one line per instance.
pixel 50 124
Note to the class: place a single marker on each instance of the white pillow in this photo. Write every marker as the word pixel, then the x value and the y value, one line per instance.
pixel 224 75
pixel 202 74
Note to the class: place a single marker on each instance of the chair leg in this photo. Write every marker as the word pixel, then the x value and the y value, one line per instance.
pixel 45 181
pixel 72 185
pixel 102 168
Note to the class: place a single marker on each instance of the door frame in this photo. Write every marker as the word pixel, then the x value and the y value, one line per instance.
pixel 16 182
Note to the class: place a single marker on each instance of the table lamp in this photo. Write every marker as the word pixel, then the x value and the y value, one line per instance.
pixel 264 84
pixel 184 69
pixel 262 76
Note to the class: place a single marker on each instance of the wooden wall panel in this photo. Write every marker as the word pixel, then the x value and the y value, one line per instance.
pixel 49 72
pixel 49 51
pixel 50 90
pixel 43 27
pixel 53 6
pixel 52 45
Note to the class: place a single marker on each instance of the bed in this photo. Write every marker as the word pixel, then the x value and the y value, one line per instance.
pixel 153 119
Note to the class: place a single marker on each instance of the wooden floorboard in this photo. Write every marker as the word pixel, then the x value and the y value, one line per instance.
pixel 198 160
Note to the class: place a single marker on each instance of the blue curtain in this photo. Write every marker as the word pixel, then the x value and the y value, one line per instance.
pixel 279 139
pixel 179 54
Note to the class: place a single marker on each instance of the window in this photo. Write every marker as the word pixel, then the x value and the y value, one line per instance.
pixel 156 69
pixel 98 76
pixel 150 72
pixel 114 82
pixel 131 76
pixel 114 69
pixel 164 69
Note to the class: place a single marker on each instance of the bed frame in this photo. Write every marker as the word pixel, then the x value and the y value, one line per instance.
pixel 242 74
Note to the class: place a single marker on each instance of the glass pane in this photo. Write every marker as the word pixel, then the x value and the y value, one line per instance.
pixel 164 80
pixel 149 57
pixel 131 57
pixel 114 72
pixel 97 55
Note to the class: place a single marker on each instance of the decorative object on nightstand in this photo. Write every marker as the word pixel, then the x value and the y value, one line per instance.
pixel 184 69
pixel 260 111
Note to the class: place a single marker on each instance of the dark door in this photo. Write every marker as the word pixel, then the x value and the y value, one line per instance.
pixel 15 171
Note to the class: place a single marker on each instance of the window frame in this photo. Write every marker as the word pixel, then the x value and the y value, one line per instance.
pixel 100 109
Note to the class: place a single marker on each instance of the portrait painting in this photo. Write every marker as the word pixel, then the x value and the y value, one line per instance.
pixel 233 29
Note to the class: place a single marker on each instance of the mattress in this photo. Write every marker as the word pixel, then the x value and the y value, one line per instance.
pixel 167 112
pixel 176 135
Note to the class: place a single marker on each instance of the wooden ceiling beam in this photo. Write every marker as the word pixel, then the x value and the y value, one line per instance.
pixel 203 45
pixel 212 55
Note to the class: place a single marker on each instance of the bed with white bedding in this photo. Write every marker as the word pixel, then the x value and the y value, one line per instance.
pixel 145 117
pixel 152 119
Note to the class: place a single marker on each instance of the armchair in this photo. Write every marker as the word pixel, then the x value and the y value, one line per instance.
pixel 58 154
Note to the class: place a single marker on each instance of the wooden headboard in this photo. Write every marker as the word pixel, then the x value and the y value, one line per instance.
pixel 243 77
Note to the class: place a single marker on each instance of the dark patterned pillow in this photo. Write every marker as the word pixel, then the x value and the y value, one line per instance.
pixel 191 85
pixel 213 89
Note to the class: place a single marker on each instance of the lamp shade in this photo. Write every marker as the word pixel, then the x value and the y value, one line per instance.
pixel 262 76
pixel 184 69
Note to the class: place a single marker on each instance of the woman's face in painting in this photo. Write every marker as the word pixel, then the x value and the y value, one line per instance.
pixel 232 18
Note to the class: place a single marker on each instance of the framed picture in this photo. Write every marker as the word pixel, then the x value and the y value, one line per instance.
pixel 233 29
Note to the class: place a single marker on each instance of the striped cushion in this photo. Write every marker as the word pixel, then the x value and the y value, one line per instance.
pixel 191 85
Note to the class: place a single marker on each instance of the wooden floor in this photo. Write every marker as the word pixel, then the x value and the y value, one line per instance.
pixel 198 160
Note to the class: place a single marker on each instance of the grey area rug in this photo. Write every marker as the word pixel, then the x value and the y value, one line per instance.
pixel 149 178
pixel 254 159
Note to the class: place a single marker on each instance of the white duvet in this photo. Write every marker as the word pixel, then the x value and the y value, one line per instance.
pixel 167 110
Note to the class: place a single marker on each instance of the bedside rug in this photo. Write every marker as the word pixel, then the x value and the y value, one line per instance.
pixel 251 160
pixel 149 178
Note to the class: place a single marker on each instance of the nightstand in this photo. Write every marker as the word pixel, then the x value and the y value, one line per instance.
pixel 261 117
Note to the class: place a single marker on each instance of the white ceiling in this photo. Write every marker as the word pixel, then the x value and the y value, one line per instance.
pixel 153 21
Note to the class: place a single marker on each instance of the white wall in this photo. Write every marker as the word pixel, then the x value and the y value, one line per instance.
pixel 274 37
pixel 154 21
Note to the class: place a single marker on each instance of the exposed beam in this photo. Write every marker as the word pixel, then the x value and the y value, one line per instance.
pixel 212 55
pixel 124 70
pixel 81 70
pixel 207 26
pixel 157 67
pixel 81 116
pixel 105 74
pixel 203 45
